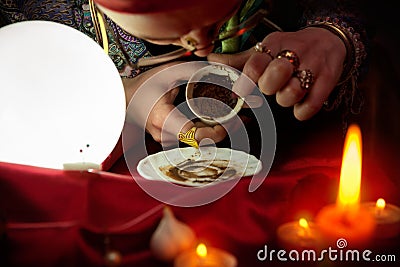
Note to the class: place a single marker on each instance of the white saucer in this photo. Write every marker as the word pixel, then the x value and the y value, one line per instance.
pixel 197 167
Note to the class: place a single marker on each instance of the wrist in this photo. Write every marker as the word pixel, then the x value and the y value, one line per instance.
pixel 355 48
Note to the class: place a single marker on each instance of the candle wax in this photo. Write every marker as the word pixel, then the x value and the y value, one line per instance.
pixel 214 258
pixel 292 236
pixel 387 219
pixel 356 226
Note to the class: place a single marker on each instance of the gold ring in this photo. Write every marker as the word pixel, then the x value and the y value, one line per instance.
pixel 261 48
pixel 191 42
pixel 306 78
pixel 189 137
pixel 291 56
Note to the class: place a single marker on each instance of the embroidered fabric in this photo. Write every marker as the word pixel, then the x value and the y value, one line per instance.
pixel 76 14
pixel 345 15
pixel 123 47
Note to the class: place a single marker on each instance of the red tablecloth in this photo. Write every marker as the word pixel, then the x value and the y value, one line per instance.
pixel 57 218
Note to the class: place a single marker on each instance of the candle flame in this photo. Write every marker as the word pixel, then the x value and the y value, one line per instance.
pixel 201 250
pixel 303 223
pixel 380 204
pixel 350 175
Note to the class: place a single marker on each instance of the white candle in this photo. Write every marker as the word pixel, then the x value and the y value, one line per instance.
pixel 205 257
pixel 387 218
pixel 299 234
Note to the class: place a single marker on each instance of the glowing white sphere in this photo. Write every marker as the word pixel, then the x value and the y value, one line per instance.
pixel 61 97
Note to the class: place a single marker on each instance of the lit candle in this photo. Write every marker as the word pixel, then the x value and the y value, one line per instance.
pixel 205 257
pixel 387 218
pixel 347 219
pixel 299 234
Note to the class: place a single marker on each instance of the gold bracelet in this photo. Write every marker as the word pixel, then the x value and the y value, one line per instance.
pixel 349 65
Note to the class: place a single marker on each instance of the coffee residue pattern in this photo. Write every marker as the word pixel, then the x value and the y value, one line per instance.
pixel 199 171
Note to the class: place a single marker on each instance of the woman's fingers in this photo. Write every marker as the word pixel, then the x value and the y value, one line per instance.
pixel 275 76
pixel 215 133
pixel 168 122
pixel 316 96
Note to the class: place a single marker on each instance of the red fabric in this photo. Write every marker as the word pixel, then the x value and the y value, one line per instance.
pixel 57 218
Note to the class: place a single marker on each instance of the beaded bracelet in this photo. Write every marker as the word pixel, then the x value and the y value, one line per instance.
pixel 355 49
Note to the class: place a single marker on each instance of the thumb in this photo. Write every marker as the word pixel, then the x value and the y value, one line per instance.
pixel 237 60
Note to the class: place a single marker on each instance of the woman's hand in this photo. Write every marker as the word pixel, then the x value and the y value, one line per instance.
pixel 317 49
pixel 165 121
pixel 151 96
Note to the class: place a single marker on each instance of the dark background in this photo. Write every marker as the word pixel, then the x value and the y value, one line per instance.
pixel 380 117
